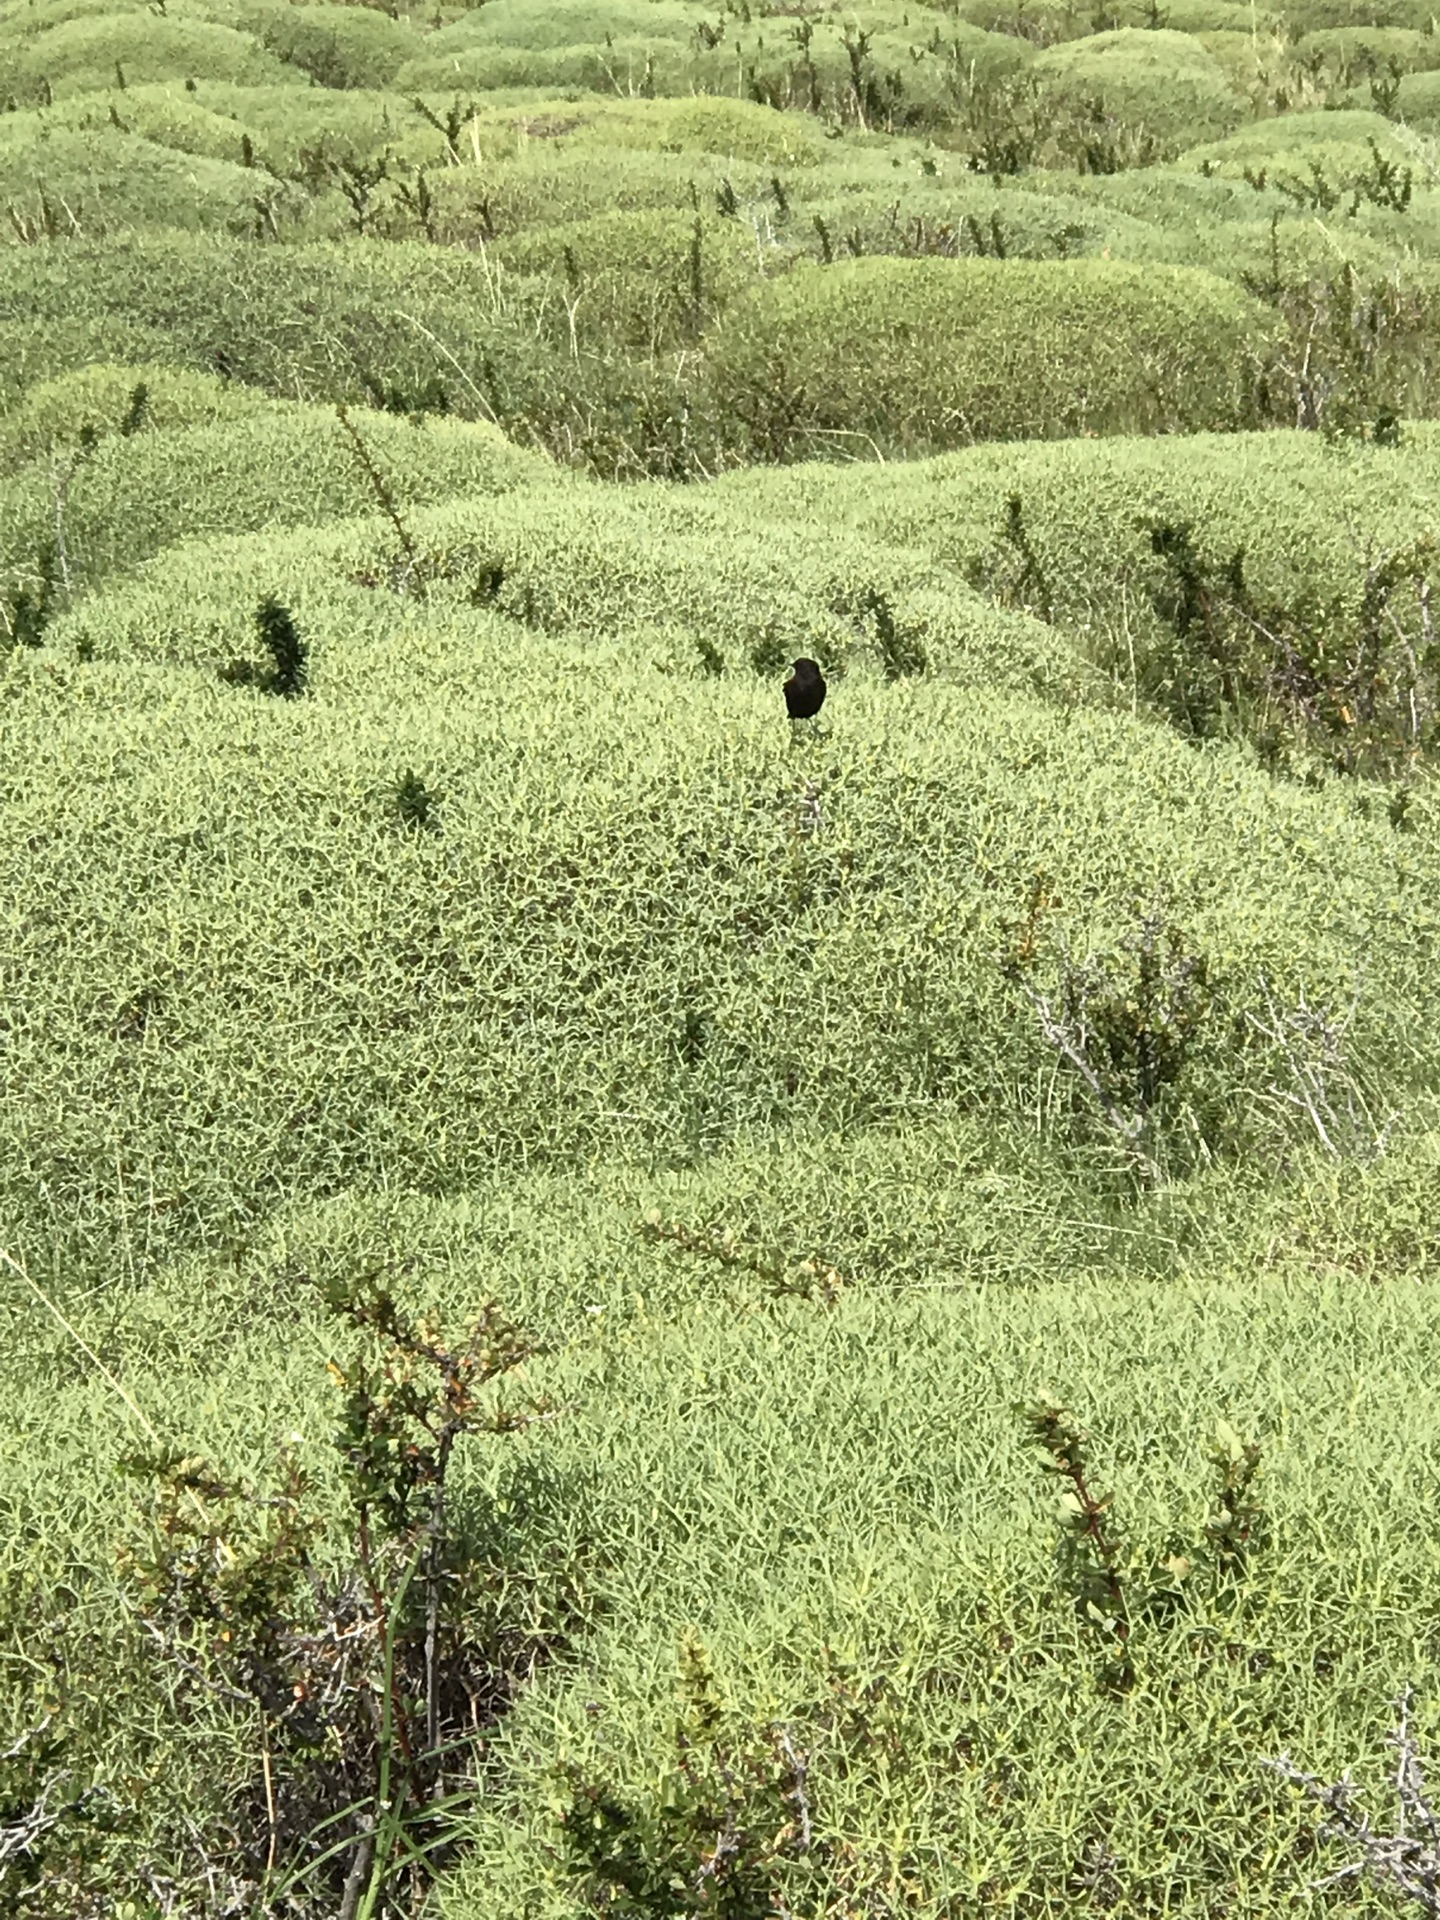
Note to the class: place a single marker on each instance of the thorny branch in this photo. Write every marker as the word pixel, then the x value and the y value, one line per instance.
pixel 1408 1862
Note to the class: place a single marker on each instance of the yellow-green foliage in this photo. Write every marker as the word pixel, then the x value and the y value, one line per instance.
pixel 95 400
pixel 169 115
pixel 284 467
pixel 691 582
pixel 942 352
pixel 1352 53
pixel 82 54
pixel 337 46
pixel 612 46
pixel 1313 16
pixel 565 24
pixel 1161 83
pixel 837 1502
pixel 548 186
pixel 105 181
pixel 285 123
pixel 605 859
pixel 1419 101
pixel 810 1093
pixel 641 278
pixel 728 129
pixel 313 321
pixel 1305 515
pixel 1337 142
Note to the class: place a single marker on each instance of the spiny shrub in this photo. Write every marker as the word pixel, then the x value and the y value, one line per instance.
pixel 1356 355
pixel 288 651
pixel 901 649
pixel 26 611
pixel 137 410
pixel 1131 1024
pixel 339 46
pixel 1115 1585
pixel 415 804
pixel 908 355
pixel 351 1641
pixel 289 654
pixel 1352 681
pixel 713 1836
pixel 1167 84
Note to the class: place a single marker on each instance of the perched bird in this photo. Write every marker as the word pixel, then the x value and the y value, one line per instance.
pixel 804 690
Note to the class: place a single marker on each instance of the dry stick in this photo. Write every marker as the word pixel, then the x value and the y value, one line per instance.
pixel 383 494
pixel 799 1773
pixel 1130 1130
pixel 490 413
pixel 359 1872
pixel 269 1796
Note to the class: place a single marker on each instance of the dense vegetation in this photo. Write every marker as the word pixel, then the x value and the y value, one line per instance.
pixel 563 1234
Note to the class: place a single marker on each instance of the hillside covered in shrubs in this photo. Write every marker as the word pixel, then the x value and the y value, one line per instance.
pixel 613 1305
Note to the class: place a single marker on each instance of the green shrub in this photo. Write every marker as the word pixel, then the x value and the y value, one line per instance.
pixel 58 184
pixel 80 55
pixel 1419 101
pixel 1163 84
pixel 733 130
pixel 1289 145
pixel 565 24
pixel 55 413
pixel 315 321
pixel 1264 578
pixel 1356 54
pixel 572 184
pixel 644 278
pixel 919 354
pixel 273 468
pixel 1314 16
pixel 340 46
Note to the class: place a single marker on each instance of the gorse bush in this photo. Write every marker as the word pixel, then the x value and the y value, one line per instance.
pixel 916 355
pixel 416 897
pixel 1164 84
pixel 370 1687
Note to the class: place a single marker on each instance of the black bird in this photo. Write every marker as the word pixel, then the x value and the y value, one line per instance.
pixel 804 690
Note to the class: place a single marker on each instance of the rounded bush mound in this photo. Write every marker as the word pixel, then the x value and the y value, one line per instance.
pixel 1163 83
pixel 624 66
pixel 1349 52
pixel 611 833
pixel 340 46
pixel 1302 513
pixel 553 185
pixel 966 217
pixel 283 122
pixel 729 129
pixel 923 354
pixel 169 115
pixel 564 23
pixel 643 277
pixel 1311 16
pixel 1039 21
pixel 139 492
pixel 82 55
pixel 1419 101
pixel 1215 16
pixel 689 587
pixel 60 183
pixel 330 322
pixel 607 46
pixel 101 399
pixel 1338 142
